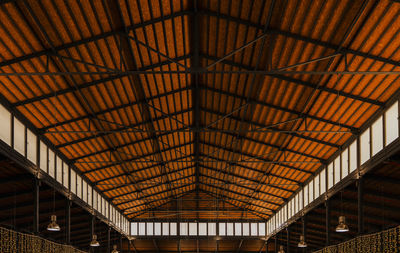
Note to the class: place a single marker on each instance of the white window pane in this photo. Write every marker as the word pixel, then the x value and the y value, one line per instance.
pixel 149 227
pixel 316 187
pixel 79 186
pixel 345 163
pixel 165 228
pixel 229 229
pixel 51 159
pixel 212 228
pixel 43 156
pixel 19 137
pixel 238 229
pixel 202 228
pixel 95 195
pixel 305 189
pixel 192 228
pixel 73 181
pixel 142 228
pixel 134 228
pixel 172 227
pixel 311 191
pixel 377 136
pixel 31 146
pixel 222 229
pixel 301 199
pixel 59 169
pixel 84 191
pixel 330 175
pixel 322 181
pixel 296 203
pixel 246 229
pixel 90 199
pixel 392 123
pixel 365 146
pixel 293 211
pixel 261 229
pixel 98 202
pixel 103 206
pixel 337 169
pixel 65 175
pixel 353 156
pixel 253 229
pixel 157 228
pixel 5 125
pixel 183 226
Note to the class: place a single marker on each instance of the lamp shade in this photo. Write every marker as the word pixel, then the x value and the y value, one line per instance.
pixel 53 226
pixel 342 227
pixel 302 243
pixel 94 242
pixel 115 249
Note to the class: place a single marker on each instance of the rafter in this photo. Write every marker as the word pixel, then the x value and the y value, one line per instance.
pixel 117 186
pixel 277 107
pixel 120 129
pixel 292 133
pixel 237 193
pixel 229 201
pixel 136 158
pixel 299 37
pixel 289 79
pixel 94 38
pixel 244 186
pixel 252 156
pixel 275 186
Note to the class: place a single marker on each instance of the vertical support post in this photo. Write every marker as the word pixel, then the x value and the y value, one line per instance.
pixel 68 222
pixel 92 232
pixel 36 192
pixel 304 231
pixel 287 240
pixel 266 246
pixel 109 240
pixel 327 222
pixel 276 243
pixel 120 244
pixel 360 193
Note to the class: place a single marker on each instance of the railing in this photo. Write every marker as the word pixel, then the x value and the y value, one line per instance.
pixel 12 241
pixel 387 241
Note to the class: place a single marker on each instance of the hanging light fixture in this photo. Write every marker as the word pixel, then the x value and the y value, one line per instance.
pixel 281 249
pixel 342 227
pixel 302 243
pixel 53 226
pixel 115 249
pixel 94 242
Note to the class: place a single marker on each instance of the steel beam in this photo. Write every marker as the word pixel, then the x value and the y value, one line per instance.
pixel 299 37
pixel 93 38
pixel 286 78
pixel 276 107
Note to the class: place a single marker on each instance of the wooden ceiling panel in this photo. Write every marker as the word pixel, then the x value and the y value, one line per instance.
pixel 197 124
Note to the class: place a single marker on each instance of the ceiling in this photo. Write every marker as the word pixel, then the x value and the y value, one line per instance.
pixel 186 109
